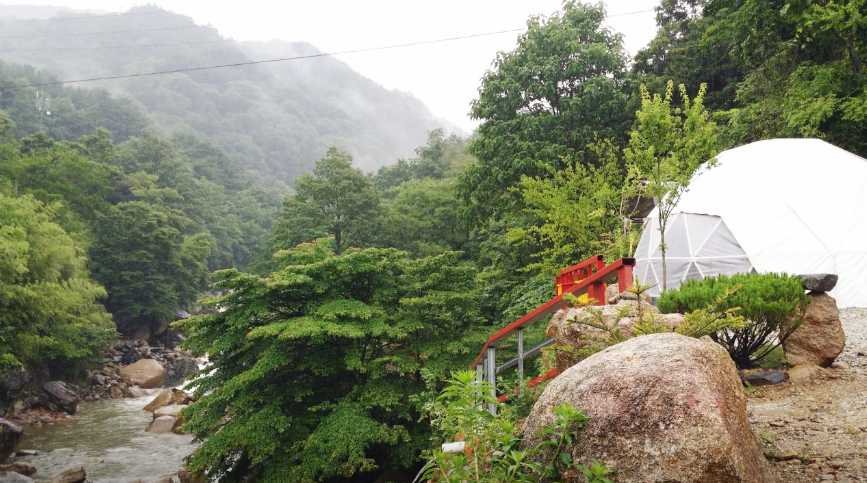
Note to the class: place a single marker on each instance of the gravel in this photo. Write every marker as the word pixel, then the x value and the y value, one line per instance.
pixel 855 325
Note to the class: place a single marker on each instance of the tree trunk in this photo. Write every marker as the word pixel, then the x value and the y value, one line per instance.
pixel 663 221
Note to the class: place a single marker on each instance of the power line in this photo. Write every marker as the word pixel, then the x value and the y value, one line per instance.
pixel 176 44
pixel 276 60
pixel 263 61
pixel 634 12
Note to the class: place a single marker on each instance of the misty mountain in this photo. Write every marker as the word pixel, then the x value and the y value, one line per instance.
pixel 274 118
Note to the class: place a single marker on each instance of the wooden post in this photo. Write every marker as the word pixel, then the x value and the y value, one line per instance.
pixel 624 275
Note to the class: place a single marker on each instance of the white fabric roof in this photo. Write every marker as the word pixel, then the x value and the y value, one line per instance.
pixel 792 205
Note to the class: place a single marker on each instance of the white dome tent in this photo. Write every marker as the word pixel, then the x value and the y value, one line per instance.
pixel 783 205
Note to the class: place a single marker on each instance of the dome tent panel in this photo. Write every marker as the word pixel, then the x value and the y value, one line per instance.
pixel 704 246
pixel 791 205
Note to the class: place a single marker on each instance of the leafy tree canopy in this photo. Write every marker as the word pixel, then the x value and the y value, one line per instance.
pixel 50 316
pixel 319 366
pixel 334 200
pixel 541 105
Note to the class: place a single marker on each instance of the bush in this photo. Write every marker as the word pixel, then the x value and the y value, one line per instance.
pixel 771 303
pixel 493 448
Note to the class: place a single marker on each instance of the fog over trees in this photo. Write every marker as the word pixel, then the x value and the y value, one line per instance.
pixel 275 119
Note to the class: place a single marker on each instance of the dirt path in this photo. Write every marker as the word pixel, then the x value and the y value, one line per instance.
pixel 817 430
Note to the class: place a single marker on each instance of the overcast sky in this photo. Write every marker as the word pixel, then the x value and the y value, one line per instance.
pixel 444 76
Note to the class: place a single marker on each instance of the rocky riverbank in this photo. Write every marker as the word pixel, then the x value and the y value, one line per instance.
pixel 47 418
pixel 27 398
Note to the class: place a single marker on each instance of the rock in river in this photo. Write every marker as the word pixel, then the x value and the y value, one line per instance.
pixel 61 396
pixel 76 474
pixel 662 408
pixel 12 477
pixel 163 424
pixel 145 373
pixel 10 434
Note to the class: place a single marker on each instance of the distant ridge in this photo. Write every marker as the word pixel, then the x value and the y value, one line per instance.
pixel 274 119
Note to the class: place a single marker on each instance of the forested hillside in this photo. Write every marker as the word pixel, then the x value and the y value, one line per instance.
pixel 274 119
pixel 339 308
pixel 146 216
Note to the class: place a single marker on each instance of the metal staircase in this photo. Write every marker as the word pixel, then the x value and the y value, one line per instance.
pixel 590 276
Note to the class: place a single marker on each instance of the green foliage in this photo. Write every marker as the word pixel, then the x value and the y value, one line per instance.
pixel 335 200
pixel 424 217
pixel 493 447
pixel 441 157
pixel 771 304
pixel 778 68
pixel 50 316
pixel 543 103
pixel 575 208
pixel 665 149
pixel 320 368
pixel 194 209
pixel 147 266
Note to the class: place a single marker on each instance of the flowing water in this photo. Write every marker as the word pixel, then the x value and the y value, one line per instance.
pixel 108 438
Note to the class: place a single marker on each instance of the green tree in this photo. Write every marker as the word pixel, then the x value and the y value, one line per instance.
pixel 424 217
pixel 318 367
pixel 574 212
pixel 543 103
pixel 774 68
pixel 334 200
pixel 148 267
pixel 50 315
pixel 665 149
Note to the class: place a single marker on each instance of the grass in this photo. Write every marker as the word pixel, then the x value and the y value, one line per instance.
pixel 776 359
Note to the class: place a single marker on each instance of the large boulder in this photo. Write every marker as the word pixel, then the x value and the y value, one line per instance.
pixel 168 397
pixel 173 410
pixel 163 424
pixel 60 396
pixel 145 373
pixel 663 408
pixel 820 337
pixel 10 435
pixel 164 398
pixel 578 332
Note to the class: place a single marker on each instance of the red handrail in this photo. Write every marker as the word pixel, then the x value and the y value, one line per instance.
pixel 581 265
pixel 593 284
pixel 569 276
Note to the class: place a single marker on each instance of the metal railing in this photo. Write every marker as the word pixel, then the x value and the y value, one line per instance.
pixel 589 276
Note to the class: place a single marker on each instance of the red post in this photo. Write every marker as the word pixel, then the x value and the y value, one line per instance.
pixel 624 275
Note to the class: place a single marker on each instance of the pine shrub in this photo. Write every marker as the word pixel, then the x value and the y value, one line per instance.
pixel 772 305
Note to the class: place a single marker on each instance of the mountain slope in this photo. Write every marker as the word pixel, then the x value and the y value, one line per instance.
pixel 276 119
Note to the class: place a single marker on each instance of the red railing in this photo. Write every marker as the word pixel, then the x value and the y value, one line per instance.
pixel 589 276
pixel 571 275
pixel 594 283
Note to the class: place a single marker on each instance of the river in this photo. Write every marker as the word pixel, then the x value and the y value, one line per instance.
pixel 108 438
